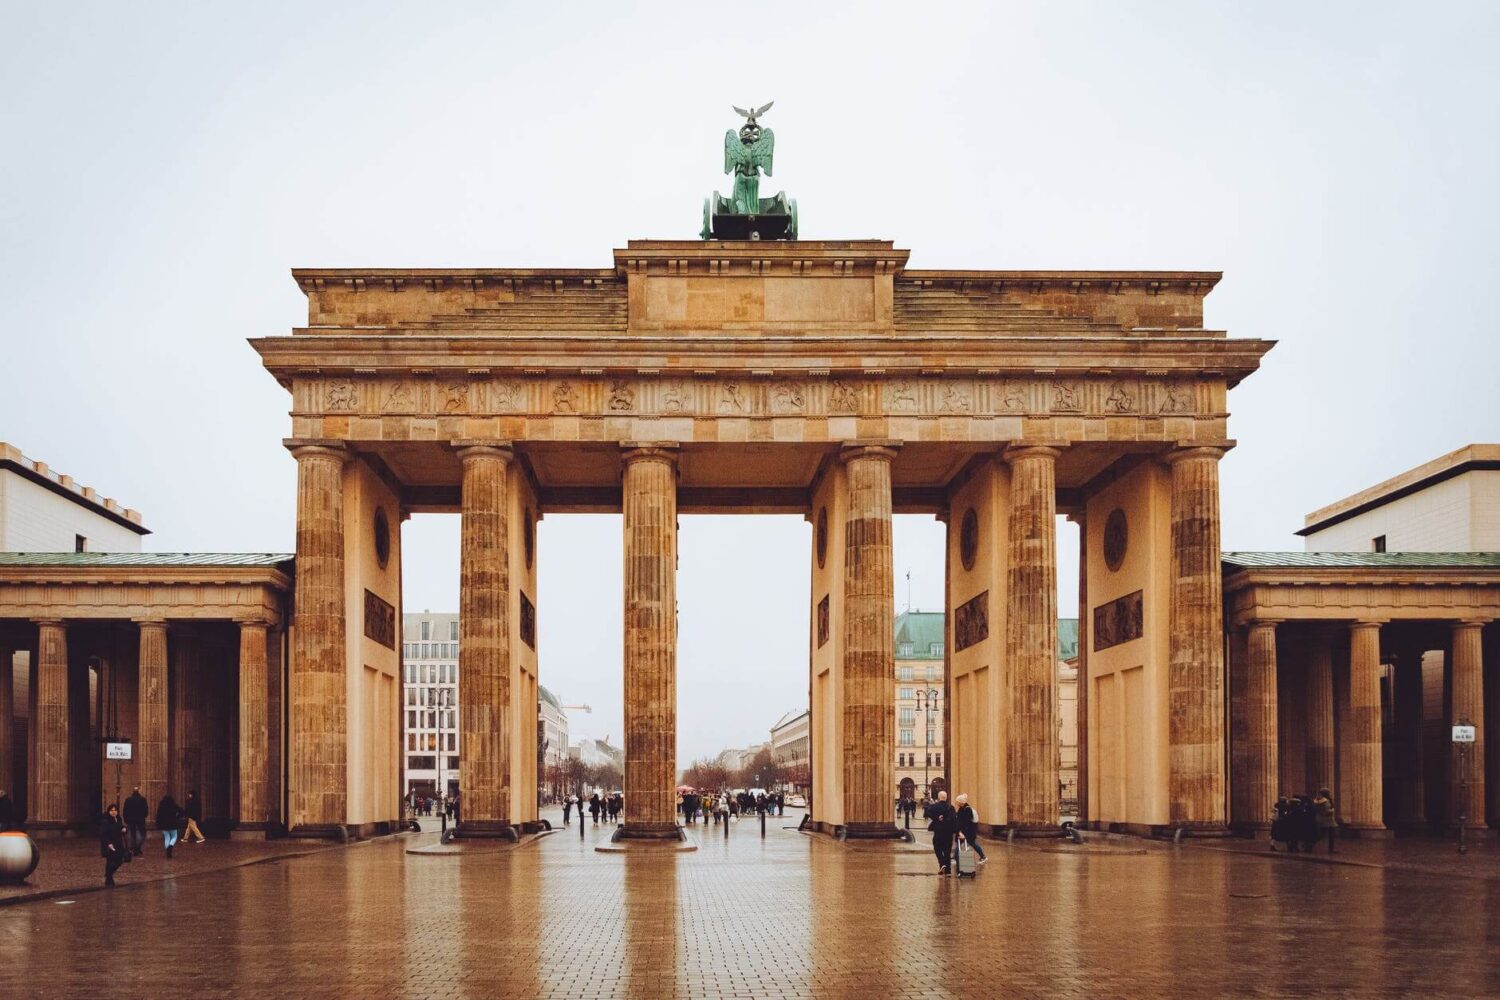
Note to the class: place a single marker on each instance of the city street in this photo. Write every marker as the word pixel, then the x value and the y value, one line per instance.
pixel 792 915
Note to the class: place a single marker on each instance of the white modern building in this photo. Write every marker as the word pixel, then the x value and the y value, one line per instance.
pixel 791 748
pixel 46 511
pixel 1451 504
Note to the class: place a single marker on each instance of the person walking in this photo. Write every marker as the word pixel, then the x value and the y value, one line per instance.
pixel 1328 820
pixel 567 810
pixel 967 822
pixel 135 812
pixel 112 843
pixel 168 819
pixel 940 820
pixel 192 811
pixel 594 807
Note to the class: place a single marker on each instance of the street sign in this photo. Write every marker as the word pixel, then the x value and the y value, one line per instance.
pixel 1463 734
pixel 117 751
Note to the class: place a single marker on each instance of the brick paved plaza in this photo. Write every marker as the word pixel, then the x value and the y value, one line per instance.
pixel 792 916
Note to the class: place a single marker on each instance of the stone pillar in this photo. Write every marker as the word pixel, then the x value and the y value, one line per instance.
pixel 1195 684
pixel 1467 793
pixel 484 708
pixel 186 749
pixel 1081 696
pixel 1031 755
pixel 1261 737
pixel 8 719
pixel 650 516
pixel 151 712
pixel 1319 695
pixel 1363 796
pixel 251 809
pixel 319 680
pixel 49 793
pixel 1411 797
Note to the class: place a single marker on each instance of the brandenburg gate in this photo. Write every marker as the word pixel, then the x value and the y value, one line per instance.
pixel 818 378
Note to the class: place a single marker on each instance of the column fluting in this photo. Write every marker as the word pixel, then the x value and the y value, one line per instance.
pixel 253 762
pixel 1031 639
pixel 1467 793
pixel 49 799
pixel 1260 736
pixel 1318 687
pixel 153 760
pixel 649 507
pixel 1363 792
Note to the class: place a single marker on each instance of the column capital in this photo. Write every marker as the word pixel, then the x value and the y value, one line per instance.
pixel 649 451
pixel 851 450
pixel 149 622
pixel 467 449
pixel 1262 622
pixel 1190 450
pixel 1364 623
pixel 41 622
pixel 317 448
pixel 254 621
pixel 1476 621
pixel 1031 449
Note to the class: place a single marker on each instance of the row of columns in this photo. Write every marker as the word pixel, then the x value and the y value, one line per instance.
pixel 61 756
pixel 1357 756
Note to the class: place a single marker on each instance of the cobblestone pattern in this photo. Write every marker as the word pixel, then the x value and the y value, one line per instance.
pixel 788 916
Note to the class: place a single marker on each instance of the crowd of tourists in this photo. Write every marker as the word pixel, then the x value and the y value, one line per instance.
pixel 423 804
pixel 604 808
pixel 726 805
pixel 122 833
pixel 1301 821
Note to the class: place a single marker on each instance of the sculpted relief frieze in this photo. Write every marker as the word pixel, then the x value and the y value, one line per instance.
pixel 729 396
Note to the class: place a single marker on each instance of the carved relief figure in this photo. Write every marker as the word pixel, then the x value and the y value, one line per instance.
pixel 621 396
pixel 787 396
pixel 1067 396
pixel 956 399
pixel 843 397
pixel 401 397
pixel 564 398
pixel 673 397
pixel 731 400
pixel 507 395
pixel 342 395
pixel 901 395
pixel 1177 397
pixel 1120 399
pixel 456 397
pixel 1013 395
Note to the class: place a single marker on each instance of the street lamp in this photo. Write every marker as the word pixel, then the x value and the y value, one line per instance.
pixel 932 695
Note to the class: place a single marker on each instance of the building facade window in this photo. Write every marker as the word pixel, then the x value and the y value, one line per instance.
pixel 904 649
pixel 908 718
pixel 426 631
pixel 905 694
pixel 937 649
pixel 453 630
pixel 1377 543
pixel 907 738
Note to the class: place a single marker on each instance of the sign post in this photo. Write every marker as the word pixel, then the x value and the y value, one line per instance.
pixel 1463 743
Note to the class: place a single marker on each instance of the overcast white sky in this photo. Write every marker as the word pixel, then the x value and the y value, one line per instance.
pixel 166 164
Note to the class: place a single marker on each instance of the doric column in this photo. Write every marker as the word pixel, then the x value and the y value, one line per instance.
pixel 8 718
pixel 251 809
pixel 1411 795
pixel 152 761
pixel 319 676
pixel 1363 791
pixel 1260 736
pixel 1195 683
pixel 484 706
pixel 869 642
pixel 49 794
pixel 1319 692
pixel 1467 793
pixel 1031 638
pixel 650 515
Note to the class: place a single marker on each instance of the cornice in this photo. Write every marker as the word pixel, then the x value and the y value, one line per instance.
pixel 146 576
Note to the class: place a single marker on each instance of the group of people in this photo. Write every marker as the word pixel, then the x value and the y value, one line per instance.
pixel 1300 822
pixel 951 827
pixel 424 805
pixel 727 805
pixel 607 807
pixel 122 834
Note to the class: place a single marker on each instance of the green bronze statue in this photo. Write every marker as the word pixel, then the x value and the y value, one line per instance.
pixel 746 215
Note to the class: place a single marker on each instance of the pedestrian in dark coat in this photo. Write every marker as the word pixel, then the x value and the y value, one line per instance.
pixel 7 811
pixel 168 819
pixel 134 814
pixel 1305 820
pixel 1328 819
pixel 594 807
pixel 112 843
pixel 942 823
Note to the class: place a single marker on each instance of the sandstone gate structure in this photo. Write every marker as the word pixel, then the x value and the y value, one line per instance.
pixel 823 379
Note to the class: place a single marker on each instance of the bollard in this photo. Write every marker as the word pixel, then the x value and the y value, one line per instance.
pixel 726 826
pixel 580 828
pixel 762 822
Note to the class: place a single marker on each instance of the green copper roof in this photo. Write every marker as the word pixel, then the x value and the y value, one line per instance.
pixel 919 631
pixel 549 697
pixel 80 559
pixel 1362 560
pixel 1067 638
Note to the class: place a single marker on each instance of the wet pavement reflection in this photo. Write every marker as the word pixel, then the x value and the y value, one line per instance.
pixel 790 915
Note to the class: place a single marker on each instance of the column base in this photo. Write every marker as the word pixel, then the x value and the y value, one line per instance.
pixel 320 831
pixel 874 831
pixel 647 831
pixel 486 829
pixel 1026 831
pixel 250 831
pixel 1197 831
pixel 1352 832
pixel 52 831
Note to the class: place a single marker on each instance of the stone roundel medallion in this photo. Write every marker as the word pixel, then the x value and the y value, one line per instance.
pixel 822 540
pixel 968 538
pixel 382 537
pixel 1116 539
